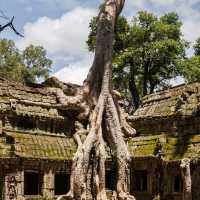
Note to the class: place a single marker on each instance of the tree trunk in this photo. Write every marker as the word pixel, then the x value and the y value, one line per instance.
pixel 107 123
pixel 186 177
pixel 145 79
pixel 152 84
pixel 133 89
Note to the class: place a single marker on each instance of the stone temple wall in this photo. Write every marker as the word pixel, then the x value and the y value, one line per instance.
pixel 171 111
pixel 36 144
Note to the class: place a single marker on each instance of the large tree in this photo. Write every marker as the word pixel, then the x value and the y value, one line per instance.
pixel 97 103
pixel 145 52
pixel 26 66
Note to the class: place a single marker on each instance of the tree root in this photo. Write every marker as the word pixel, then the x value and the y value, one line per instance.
pixel 93 151
pixel 78 103
pixel 120 149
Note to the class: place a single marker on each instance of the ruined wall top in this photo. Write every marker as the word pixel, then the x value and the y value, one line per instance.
pixel 181 100
pixel 33 100
pixel 36 100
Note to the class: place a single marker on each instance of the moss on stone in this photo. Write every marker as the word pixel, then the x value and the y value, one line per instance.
pixel 174 148
pixel 43 146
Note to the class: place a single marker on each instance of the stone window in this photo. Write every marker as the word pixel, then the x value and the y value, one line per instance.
pixel 177 183
pixel 61 127
pixel 32 183
pixel 62 183
pixel 9 140
pixel 26 123
pixel 140 180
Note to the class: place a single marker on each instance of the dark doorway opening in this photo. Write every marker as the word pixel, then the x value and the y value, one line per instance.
pixel 62 183
pixel 32 183
pixel 140 180
pixel 109 181
pixel 177 183
pixel 1 187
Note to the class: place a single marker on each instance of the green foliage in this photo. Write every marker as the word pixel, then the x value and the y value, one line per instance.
pixel 189 68
pixel 10 61
pixel 92 37
pixel 37 63
pixel 145 52
pixel 197 47
pixel 24 66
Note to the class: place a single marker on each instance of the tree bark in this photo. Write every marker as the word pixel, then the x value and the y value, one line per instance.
pixel 107 124
pixel 145 79
pixel 133 89
pixel 186 177
pixel 152 84
pixel 10 25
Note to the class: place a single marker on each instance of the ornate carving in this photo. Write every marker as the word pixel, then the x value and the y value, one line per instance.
pixel 12 188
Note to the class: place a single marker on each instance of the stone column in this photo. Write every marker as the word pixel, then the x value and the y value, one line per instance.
pixel 166 185
pixel 10 187
pixel 186 177
pixel 20 184
pixel 1 127
pixel 14 185
pixel 48 184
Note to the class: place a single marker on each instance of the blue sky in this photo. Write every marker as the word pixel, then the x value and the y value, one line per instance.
pixel 61 26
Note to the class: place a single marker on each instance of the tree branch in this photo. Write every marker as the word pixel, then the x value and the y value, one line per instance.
pixel 9 25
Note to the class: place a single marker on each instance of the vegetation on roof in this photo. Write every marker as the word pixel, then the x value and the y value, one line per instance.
pixel 178 101
pixel 174 148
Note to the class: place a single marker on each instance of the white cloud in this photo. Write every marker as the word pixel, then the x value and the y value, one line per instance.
pixel 65 35
pixel 191 30
pixel 29 9
pixel 52 4
pixel 163 2
pixel 64 39
pixel 59 4
pixel 75 72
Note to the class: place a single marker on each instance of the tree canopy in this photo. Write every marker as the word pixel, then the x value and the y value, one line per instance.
pixel 145 53
pixel 24 66
pixel 189 68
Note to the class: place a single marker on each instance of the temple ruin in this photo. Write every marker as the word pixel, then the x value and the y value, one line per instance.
pixel 37 145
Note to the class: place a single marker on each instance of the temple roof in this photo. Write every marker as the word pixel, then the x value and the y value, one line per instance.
pixel 41 146
pixel 20 99
pixel 172 148
pixel 33 100
pixel 170 117
pixel 181 100
pixel 45 147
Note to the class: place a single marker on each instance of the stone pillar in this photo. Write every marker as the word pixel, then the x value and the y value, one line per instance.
pixel 48 184
pixel 20 184
pixel 166 185
pixel 1 127
pixel 14 185
pixel 186 177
